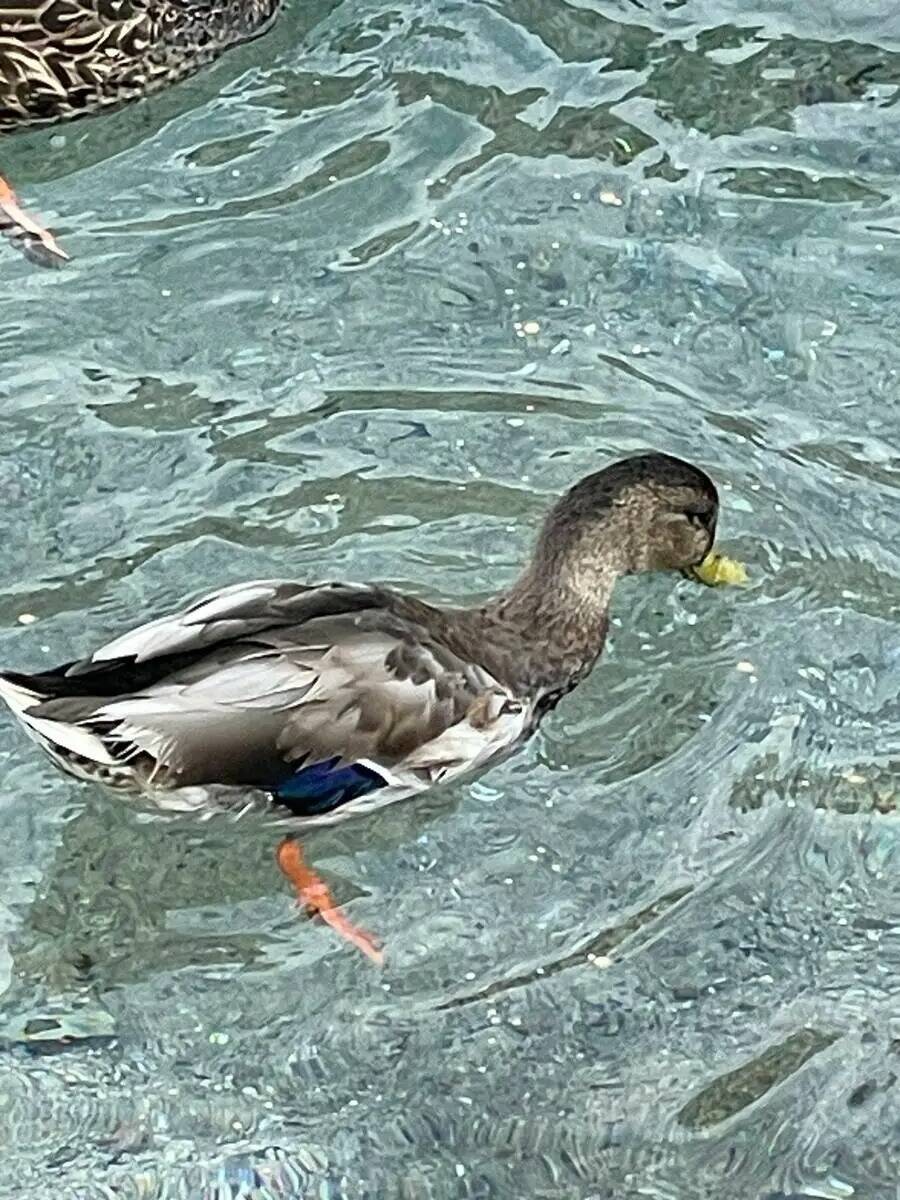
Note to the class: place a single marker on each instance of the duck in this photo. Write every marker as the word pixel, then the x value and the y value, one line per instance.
pixel 332 699
pixel 60 59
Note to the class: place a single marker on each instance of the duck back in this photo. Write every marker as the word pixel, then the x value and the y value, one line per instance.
pixel 60 59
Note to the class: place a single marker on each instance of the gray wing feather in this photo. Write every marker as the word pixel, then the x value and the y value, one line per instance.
pixel 295 675
pixel 228 613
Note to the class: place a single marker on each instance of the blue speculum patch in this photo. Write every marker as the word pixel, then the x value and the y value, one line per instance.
pixel 324 786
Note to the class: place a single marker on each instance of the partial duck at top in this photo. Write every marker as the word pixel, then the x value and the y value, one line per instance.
pixel 337 698
pixel 60 59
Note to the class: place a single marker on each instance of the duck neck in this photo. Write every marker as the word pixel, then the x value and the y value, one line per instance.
pixel 557 614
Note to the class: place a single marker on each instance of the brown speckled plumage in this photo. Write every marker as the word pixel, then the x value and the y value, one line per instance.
pixel 260 681
pixel 62 58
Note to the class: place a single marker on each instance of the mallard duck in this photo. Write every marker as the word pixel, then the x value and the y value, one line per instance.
pixel 337 698
pixel 60 59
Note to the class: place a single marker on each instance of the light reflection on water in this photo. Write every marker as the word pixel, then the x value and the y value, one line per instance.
pixel 657 953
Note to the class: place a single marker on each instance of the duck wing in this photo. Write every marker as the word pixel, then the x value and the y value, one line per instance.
pixel 317 694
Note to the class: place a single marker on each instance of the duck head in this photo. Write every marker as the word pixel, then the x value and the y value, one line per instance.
pixel 651 512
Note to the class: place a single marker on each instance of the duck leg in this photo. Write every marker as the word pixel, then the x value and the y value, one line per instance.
pixel 37 243
pixel 313 894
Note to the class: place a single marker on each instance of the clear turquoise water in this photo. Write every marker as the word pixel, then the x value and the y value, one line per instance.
pixel 656 954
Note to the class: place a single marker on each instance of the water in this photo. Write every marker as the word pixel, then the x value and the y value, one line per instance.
pixel 657 953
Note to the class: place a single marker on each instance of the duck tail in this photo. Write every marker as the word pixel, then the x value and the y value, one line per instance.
pixel 18 693
pixel 71 744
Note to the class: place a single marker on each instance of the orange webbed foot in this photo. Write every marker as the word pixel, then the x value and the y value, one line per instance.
pixel 313 894
pixel 37 243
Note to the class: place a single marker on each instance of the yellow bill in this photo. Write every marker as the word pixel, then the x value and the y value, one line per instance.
pixel 718 570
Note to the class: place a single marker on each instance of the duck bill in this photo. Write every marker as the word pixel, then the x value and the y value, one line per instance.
pixel 717 570
pixel 701 572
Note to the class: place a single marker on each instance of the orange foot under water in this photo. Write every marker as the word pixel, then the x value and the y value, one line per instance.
pixel 314 895
pixel 38 244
